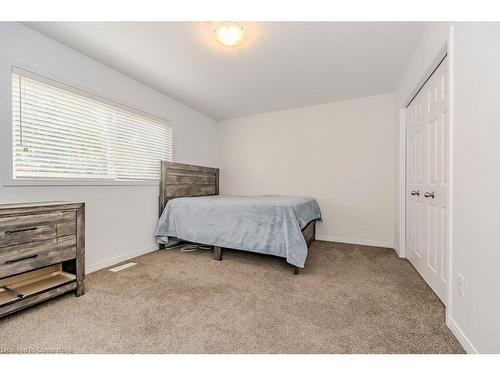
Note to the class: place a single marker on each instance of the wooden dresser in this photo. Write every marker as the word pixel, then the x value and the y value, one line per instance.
pixel 42 252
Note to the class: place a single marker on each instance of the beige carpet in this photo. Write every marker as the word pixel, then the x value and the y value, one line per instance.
pixel 349 299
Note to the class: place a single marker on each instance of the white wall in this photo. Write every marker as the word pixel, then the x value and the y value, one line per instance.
pixel 341 153
pixel 475 160
pixel 476 176
pixel 120 220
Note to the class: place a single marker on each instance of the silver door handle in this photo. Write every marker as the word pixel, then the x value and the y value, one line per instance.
pixel 415 192
pixel 429 195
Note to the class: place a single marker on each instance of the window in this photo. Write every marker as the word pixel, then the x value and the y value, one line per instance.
pixel 63 133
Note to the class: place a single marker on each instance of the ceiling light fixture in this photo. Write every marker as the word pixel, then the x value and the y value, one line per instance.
pixel 229 33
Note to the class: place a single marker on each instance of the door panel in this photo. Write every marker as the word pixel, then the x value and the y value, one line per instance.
pixel 444 244
pixel 419 226
pixel 427 178
pixel 432 233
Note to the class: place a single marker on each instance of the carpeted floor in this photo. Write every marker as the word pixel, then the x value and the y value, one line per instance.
pixel 348 299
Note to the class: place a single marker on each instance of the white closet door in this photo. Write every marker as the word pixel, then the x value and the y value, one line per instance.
pixel 426 181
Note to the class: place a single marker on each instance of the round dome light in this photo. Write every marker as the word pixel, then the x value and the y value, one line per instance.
pixel 229 33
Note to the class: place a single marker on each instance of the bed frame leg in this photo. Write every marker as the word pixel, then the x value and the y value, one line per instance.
pixel 296 270
pixel 217 253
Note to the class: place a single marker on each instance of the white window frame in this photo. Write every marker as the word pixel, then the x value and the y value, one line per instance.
pixel 7 163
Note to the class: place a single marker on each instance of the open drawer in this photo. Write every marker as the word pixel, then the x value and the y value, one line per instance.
pixel 25 285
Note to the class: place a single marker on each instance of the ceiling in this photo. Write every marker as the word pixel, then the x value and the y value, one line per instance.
pixel 279 65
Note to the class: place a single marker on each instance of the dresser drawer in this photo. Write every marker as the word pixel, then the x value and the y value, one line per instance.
pixel 16 230
pixel 26 234
pixel 25 257
pixel 45 218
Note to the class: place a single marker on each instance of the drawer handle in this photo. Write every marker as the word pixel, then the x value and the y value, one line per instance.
pixel 20 230
pixel 20 259
pixel 10 290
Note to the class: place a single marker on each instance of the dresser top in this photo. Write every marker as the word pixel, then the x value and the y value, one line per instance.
pixel 27 205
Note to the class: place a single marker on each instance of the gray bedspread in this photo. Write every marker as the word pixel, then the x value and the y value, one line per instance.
pixel 263 224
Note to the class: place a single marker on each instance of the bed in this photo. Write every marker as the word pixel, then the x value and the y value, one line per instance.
pixel 192 210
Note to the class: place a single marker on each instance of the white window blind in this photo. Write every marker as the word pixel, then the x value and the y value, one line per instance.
pixel 59 134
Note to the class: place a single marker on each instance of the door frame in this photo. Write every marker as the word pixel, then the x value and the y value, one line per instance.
pixel 446 51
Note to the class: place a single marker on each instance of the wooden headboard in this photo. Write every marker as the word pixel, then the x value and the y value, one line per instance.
pixel 185 180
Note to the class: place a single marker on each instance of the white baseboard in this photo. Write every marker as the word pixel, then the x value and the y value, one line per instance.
pixel 119 259
pixel 460 335
pixel 354 241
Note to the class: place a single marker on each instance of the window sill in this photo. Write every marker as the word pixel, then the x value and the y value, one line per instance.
pixel 75 182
